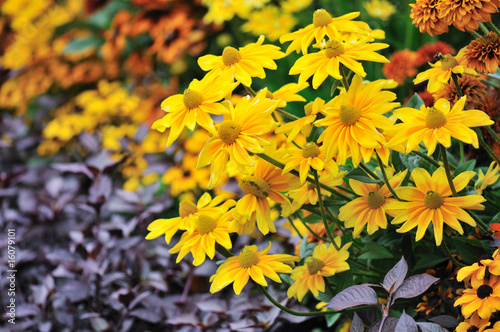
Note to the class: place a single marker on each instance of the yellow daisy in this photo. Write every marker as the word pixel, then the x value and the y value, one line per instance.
pixel 474 323
pixel 239 133
pixel 485 299
pixel 430 201
pixel 243 64
pixel 264 185
pixel 325 262
pixel 495 328
pixel 323 25
pixel 441 71
pixel 381 9
pixel 188 211
pixel 369 209
pixel 208 230
pixel 336 53
pixel 476 272
pixel 490 178
pixel 355 120
pixel 437 124
pixel 251 264
pixel 307 194
pixel 287 92
pixel 193 106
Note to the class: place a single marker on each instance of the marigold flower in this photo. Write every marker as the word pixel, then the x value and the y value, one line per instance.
pixel 336 53
pixel 193 106
pixel 369 209
pixel 325 262
pixel 251 264
pixel 243 64
pixel 483 53
pixel 465 15
pixel 490 178
pixel 470 86
pixel 474 323
pixel 437 124
pixel 485 299
pixel 208 230
pixel 239 133
pixel 354 121
pixel 381 9
pixel 430 201
pixel 427 52
pixel 424 14
pixel 323 25
pixel 401 66
pixel 441 71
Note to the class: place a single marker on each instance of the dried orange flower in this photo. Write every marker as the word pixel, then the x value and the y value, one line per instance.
pixel 424 14
pixel 483 54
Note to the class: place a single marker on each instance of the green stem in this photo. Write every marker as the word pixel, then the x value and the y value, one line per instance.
pixel 447 170
pixel 337 222
pixel 485 146
pixel 450 256
pixel 294 227
pixel 329 286
pixel 278 164
pixel 386 179
pixel 313 232
pixel 483 27
pixel 290 311
pixel 223 251
pixel 492 133
pixel 250 91
pixel 460 94
pixel 493 27
pixel 479 222
pixel 349 190
pixel 322 209
pixel 369 171
pixel 427 158
pixel 344 77
pixel 286 114
pixel 475 34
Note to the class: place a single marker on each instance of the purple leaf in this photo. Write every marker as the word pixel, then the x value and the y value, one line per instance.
pixel 414 286
pixel 77 168
pixel 406 324
pixel 146 315
pixel 431 327
pixel 100 190
pixel 395 277
pixel 445 321
pixel 99 324
pixel 389 325
pixel 353 297
pixel 357 324
pixel 184 319
pixel 217 306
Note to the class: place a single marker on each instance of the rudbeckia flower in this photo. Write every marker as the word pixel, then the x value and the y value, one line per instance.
pixel 336 53
pixel 441 71
pixel 194 105
pixel 354 121
pixel 476 272
pixel 490 178
pixel 251 264
pixel 437 124
pixel 243 64
pixel 286 93
pixel 208 230
pixel 188 211
pixel 430 201
pixel 485 299
pixel 369 209
pixel 474 323
pixel 323 25
pixel 239 133
pixel 325 262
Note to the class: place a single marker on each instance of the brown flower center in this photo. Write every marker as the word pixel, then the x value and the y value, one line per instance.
pixel 448 62
pixel 205 224
pixel 228 131
pixel 349 114
pixel 186 208
pixel 192 98
pixel 314 265
pixel 230 56
pixel 248 257
pixel 310 150
pixel 484 291
pixel 433 200
pixel 254 185
pixel 435 118
pixel 473 329
pixel 375 199
pixel 308 109
pixel 334 48
pixel 321 18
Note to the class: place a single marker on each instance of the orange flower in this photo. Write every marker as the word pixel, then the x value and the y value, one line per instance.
pixel 401 66
pixel 425 17
pixel 471 86
pixel 427 52
pixel 465 15
pixel 483 54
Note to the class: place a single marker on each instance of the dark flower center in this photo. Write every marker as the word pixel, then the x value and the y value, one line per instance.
pixel 484 291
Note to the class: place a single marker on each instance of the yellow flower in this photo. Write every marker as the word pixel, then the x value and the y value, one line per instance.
pixel 336 53
pixel 239 133
pixel 369 209
pixel 430 201
pixel 264 185
pixel 243 64
pixel 286 93
pixel 381 9
pixel 251 263
pixel 485 299
pixel 441 71
pixel 323 25
pixel 355 120
pixel 188 211
pixel 474 323
pixel 437 124
pixel 488 179
pixel 476 272
pixel 208 231
pixel 496 328
pixel 193 106
pixel 325 262
pixel 270 21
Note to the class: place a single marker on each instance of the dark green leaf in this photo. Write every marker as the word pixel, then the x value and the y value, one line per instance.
pixel 360 175
pixel 373 250
pixel 306 248
pixel 415 102
pixel 468 249
pixel 467 166
pixel 80 44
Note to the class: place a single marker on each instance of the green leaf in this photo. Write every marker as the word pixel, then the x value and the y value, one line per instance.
pixel 312 219
pixel 468 249
pixel 415 102
pixel 360 175
pixel 373 250
pixel 410 161
pixel 80 44
pixel 332 319
pixel 342 280
pixel 467 166
pixel 396 161
pixel 306 248
pixel 495 219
